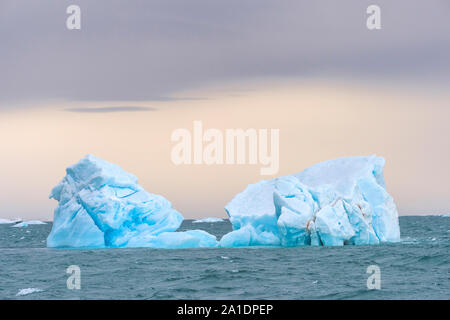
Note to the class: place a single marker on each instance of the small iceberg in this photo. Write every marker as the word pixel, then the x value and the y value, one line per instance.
pixel 27 223
pixel 446 215
pixel 24 292
pixel 8 221
pixel 208 220
pixel 102 206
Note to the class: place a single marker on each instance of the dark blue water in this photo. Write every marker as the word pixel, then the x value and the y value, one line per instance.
pixel 416 268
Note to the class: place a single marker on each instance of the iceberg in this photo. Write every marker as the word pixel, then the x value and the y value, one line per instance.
pixel 176 240
pixel 8 221
pixel 208 220
pixel 102 206
pixel 27 223
pixel 333 203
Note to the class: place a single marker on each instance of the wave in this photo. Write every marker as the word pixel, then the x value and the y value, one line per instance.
pixel 24 292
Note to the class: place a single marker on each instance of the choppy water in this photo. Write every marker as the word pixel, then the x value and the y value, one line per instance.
pixel 416 268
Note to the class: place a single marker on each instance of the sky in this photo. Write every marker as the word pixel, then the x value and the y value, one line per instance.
pixel 138 70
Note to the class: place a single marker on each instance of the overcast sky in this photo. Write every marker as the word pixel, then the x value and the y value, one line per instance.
pixel 144 50
pixel 137 70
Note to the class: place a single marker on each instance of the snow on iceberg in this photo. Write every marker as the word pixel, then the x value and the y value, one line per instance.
pixel 208 220
pixel 101 205
pixel 332 203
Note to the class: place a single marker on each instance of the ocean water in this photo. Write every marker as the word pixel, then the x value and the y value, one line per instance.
pixel 416 268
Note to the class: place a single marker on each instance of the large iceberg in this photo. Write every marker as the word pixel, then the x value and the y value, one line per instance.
pixel 336 202
pixel 101 205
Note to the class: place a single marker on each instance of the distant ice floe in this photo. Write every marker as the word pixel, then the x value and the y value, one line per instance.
pixel 24 292
pixel 446 215
pixel 8 221
pixel 208 220
pixel 27 223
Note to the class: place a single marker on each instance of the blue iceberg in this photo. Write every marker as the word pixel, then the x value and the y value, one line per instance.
pixel 100 205
pixel 333 203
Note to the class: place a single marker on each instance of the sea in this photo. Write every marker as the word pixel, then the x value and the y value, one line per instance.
pixel 418 267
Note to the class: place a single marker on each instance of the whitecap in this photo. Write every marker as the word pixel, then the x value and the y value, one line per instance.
pixel 24 292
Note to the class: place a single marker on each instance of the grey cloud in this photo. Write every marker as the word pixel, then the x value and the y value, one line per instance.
pixel 136 50
pixel 110 109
